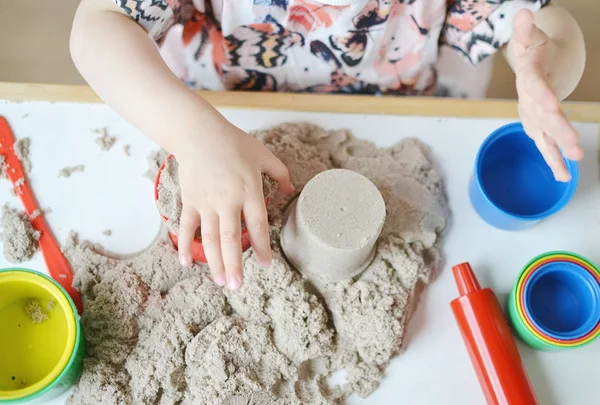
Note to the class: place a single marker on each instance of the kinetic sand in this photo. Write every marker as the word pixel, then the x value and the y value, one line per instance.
pixel 69 170
pixel 162 334
pixel 36 312
pixel 331 229
pixel 19 239
pixel 21 148
pixel 105 141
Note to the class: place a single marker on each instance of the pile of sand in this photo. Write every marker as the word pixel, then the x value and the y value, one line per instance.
pixel 19 239
pixel 158 333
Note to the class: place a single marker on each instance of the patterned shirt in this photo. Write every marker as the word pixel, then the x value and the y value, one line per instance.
pixel 333 46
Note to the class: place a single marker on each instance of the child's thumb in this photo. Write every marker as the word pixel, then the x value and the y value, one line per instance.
pixel 275 169
pixel 525 32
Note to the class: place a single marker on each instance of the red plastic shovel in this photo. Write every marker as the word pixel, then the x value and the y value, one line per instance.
pixel 58 266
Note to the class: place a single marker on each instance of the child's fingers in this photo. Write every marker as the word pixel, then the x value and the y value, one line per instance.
pixel 231 245
pixel 553 158
pixel 558 127
pixel 188 223
pixel 276 170
pixel 525 32
pixel 257 223
pixel 211 243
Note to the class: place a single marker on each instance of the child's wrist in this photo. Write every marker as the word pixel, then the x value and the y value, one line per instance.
pixel 195 119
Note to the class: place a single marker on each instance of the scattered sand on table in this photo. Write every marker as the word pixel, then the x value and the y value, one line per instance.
pixel 127 150
pixel 107 232
pixel 67 171
pixel 105 141
pixel 19 239
pixel 159 333
pixel 3 168
pixel 22 146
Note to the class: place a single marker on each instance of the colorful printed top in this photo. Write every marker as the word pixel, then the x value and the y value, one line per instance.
pixel 335 46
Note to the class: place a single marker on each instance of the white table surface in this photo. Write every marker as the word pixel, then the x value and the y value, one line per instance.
pixel 435 369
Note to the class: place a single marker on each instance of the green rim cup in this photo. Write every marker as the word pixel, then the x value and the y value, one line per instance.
pixel 524 331
pixel 18 287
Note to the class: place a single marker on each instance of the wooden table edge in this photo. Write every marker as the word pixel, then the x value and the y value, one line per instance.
pixel 350 104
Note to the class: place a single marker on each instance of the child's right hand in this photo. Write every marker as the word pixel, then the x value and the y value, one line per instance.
pixel 219 165
pixel 220 170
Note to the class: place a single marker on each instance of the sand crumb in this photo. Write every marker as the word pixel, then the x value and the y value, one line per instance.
pixel 67 171
pixel 107 232
pixel 50 305
pixel 35 312
pixel 3 167
pixel 155 160
pixel 21 147
pixel 20 181
pixel 25 115
pixel 37 213
pixel 159 333
pixel 19 239
pixel 127 150
pixel 105 141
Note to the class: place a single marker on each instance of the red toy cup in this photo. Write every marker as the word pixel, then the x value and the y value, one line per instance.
pixel 197 248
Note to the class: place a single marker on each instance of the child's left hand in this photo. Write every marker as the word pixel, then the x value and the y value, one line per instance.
pixel 539 106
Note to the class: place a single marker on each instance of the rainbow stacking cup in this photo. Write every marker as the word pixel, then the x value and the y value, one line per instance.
pixel 41 349
pixel 512 187
pixel 555 303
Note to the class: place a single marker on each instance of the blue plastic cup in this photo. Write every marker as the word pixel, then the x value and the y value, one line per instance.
pixel 512 187
pixel 563 300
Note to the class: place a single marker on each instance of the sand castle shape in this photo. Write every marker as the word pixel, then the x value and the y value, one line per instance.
pixel 333 226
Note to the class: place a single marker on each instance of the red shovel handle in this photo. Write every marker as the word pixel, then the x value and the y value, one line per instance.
pixel 57 264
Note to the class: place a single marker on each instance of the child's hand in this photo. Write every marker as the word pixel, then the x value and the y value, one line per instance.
pixel 539 106
pixel 220 170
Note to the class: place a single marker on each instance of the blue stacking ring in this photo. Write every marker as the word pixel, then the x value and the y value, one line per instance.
pixel 563 300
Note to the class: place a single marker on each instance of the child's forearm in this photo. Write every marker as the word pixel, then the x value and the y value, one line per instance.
pixel 566 59
pixel 122 64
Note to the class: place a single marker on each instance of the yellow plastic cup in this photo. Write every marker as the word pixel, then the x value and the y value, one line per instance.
pixel 41 341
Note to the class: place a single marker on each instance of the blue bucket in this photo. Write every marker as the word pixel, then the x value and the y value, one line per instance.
pixel 512 187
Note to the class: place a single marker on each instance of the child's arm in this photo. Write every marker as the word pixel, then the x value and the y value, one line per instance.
pixel 220 165
pixel 547 54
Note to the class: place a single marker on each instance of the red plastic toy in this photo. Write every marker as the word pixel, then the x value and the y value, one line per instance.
pixel 489 342
pixel 57 264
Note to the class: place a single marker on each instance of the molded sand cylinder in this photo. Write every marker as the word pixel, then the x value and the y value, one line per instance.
pixel 330 231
